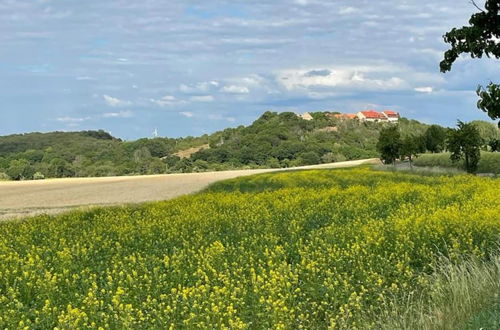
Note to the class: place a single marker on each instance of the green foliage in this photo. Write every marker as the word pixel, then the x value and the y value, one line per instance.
pixel 157 166
pixel 488 131
pixel 465 142
pixel 389 144
pixel 489 100
pixel 87 153
pixel 488 318
pixel 494 145
pixel 478 39
pixel 463 296
pixel 411 146
pixel 309 158
pixel 20 169
pixel 435 138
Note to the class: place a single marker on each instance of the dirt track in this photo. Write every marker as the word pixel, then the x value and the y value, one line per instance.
pixel 18 199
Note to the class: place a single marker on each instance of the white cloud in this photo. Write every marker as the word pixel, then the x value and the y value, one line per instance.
pixel 115 102
pixel 427 89
pixel 352 77
pixel 84 78
pixel 234 89
pixel 186 114
pixel 202 87
pixel 168 101
pixel 221 117
pixel 202 98
pixel 119 114
pixel 302 2
pixel 347 10
pixel 72 119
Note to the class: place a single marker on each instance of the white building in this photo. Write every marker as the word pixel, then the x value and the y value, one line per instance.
pixel 306 116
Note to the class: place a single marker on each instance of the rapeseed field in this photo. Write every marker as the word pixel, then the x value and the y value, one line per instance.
pixel 308 249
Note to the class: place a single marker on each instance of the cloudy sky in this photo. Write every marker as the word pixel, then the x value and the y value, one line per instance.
pixel 191 67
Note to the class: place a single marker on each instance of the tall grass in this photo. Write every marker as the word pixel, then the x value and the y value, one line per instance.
pixel 489 162
pixel 421 170
pixel 457 293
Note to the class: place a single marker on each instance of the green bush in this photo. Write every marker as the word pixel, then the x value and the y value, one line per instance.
pixel 4 177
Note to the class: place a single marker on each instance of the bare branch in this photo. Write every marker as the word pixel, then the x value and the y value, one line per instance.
pixel 475 5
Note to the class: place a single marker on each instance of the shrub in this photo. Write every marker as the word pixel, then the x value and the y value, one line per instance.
pixel 38 176
pixel 309 158
pixel 4 177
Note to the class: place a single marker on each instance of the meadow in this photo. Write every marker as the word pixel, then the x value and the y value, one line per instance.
pixel 299 249
pixel 489 162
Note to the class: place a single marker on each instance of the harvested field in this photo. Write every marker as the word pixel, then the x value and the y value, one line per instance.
pixel 25 198
pixel 188 152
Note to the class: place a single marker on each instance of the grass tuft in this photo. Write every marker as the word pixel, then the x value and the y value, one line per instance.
pixel 460 296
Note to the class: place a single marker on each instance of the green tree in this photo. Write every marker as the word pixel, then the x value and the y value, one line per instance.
pixel 465 143
pixel 309 158
pixel 59 168
pixel 435 138
pixel 157 166
pixel 411 146
pixel 273 163
pixel 478 39
pixel 170 161
pixel 487 131
pixel 389 144
pixel 20 169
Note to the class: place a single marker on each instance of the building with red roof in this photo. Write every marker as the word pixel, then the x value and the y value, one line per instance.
pixel 375 116
pixel 343 116
pixel 392 116
pixel 371 115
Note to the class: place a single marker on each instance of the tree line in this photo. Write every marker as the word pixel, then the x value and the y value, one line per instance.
pixel 274 140
pixel 464 142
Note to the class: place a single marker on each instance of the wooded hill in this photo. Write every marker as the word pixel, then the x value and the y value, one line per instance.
pixel 273 140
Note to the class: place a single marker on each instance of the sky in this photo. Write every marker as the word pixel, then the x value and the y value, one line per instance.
pixel 191 67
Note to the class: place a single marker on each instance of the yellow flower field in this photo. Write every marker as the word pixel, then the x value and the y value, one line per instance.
pixel 309 249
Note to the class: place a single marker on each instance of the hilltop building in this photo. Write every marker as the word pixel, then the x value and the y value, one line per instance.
pixel 387 116
pixel 392 116
pixel 371 116
pixel 375 116
pixel 343 116
pixel 306 116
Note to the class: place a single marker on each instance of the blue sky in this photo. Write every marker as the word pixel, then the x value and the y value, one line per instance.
pixel 192 67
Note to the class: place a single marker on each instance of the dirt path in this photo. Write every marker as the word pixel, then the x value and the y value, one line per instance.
pixel 18 199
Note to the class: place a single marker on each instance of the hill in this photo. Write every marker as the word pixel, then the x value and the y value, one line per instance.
pixel 284 140
pixel 84 154
pixel 274 140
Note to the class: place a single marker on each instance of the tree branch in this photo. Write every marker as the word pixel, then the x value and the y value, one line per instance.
pixel 475 5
